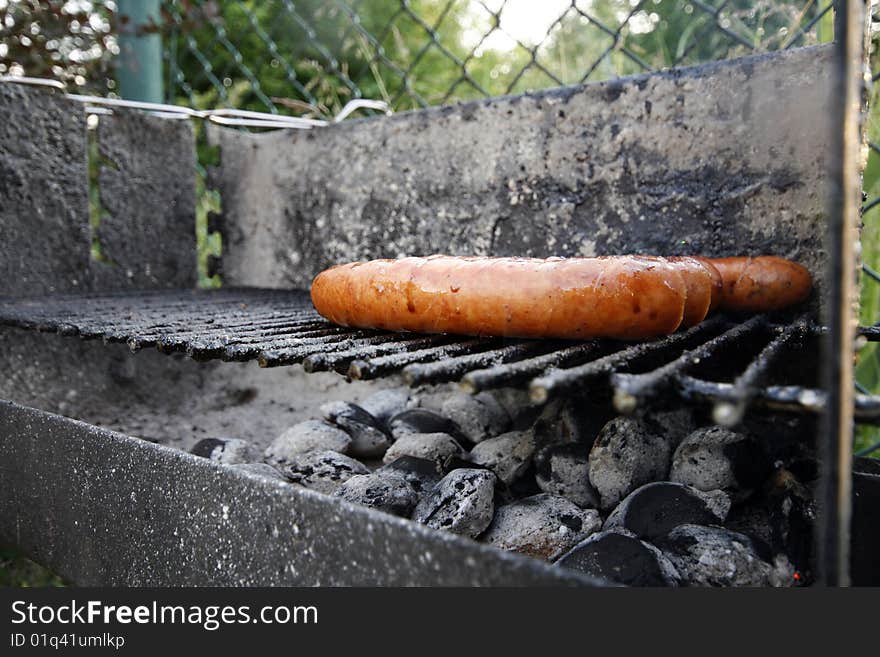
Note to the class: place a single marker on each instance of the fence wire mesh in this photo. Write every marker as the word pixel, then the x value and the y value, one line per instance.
pixel 315 56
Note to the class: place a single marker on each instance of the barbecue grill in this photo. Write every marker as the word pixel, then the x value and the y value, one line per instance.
pixel 94 483
pixel 280 327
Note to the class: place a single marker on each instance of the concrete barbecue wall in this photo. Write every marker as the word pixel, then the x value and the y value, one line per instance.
pixel 144 175
pixel 721 159
pixel 104 508
pixel 727 158
pixel 145 183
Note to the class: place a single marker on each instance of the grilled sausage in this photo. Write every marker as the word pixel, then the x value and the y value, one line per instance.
pixel 761 283
pixel 704 288
pixel 625 297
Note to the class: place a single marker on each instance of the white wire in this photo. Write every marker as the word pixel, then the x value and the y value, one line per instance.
pixel 134 104
pixel 225 120
pixel 39 82
pixel 359 103
pixel 236 117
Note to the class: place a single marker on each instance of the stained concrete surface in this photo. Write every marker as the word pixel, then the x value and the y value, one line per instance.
pixel 147 188
pixel 722 159
pixel 101 508
pixel 44 212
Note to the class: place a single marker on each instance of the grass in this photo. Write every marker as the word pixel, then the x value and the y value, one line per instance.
pixel 868 359
pixel 18 571
pixel 209 245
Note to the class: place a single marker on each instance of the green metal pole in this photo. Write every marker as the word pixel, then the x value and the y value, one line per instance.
pixel 140 53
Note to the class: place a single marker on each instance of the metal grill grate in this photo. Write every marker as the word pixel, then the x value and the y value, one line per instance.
pixel 723 361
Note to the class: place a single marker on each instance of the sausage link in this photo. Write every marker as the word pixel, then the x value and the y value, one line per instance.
pixel 704 288
pixel 624 297
pixel 761 283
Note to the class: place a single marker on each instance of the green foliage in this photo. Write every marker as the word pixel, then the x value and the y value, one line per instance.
pixel 67 41
pixel 868 369
pixel 425 52
pixel 868 364
pixel 208 244
pixel 19 571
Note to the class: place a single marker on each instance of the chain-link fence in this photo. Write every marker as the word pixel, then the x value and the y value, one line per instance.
pixel 868 365
pixel 315 56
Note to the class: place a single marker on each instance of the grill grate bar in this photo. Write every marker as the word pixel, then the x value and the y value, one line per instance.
pixel 252 349
pixel 507 374
pixel 278 346
pixel 630 389
pixel 219 340
pixel 215 329
pixel 150 314
pixel 175 336
pixel 280 327
pixel 871 333
pixel 277 351
pixel 375 367
pixel 341 360
pixel 729 410
pixel 451 369
pixel 219 348
pixel 154 304
pixel 558 381
pixel 200 323
pixel 301 349
pixel 783 398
